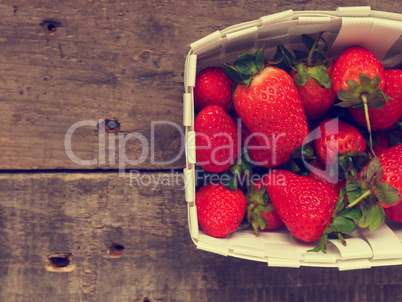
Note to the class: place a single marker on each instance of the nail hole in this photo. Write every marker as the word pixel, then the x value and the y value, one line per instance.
pixel 115 250
pixel 146 300
pixel 60 262
pixel 111 125
pixel 51 25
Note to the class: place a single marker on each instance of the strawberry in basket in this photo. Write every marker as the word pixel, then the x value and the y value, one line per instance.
pixel 268 103
pixel 377 187
pixel 213 87
pixel 341 150
pixel 257 154
pixel 359 79
pixel 386 117
pixel 394 213
pixel 310 209
pixel 216 139
pixel 219 210
pixel 337 138
pixel 311 73
pixel 319 173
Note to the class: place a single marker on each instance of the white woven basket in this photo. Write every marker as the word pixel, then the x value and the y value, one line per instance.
pixel 380 32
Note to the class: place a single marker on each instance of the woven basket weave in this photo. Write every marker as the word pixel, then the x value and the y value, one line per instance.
pixel 380 32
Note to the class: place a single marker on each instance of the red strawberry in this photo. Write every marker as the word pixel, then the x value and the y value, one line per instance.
pixel 257 154
pixel 217 143
pixel 389 171
pixel 386 117
pixel 319 173
pixel 316 100
pixel 260 211
pixel 394 213
pixel 219 210
pixel 311 73
pixel 268 103
pixel 378 187
pixel 351 63
pixel 213 87
pixel 305 205
pixel 358 79
pixel 337 137
pixel 273 220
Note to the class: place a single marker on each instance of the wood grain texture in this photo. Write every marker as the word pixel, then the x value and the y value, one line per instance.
pixel 85 213
pixel 108 59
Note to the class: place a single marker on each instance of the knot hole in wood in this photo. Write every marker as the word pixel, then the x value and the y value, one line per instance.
pixel 60 262
pixel 116 250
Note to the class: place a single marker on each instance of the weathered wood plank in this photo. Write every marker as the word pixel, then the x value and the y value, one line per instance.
pixel 85 213
pixel 124 60
pixel 109 59
pixel 97 66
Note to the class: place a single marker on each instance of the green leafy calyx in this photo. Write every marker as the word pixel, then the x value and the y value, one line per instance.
pixel 240 168
pixel 369 193
pixel 245 67
pixel 367 87
pixel 312 64
pixel 257 203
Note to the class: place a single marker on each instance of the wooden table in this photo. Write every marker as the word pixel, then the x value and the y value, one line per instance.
pixel 67 66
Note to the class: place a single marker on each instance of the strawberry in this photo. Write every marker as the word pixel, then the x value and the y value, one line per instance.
pixel 377 187
pixel 358 78
pixel 386 117
pixel 213 87
pixel 257 154
pixel 335 138
pixel 304 204
pixel 311 73
pixel 316 100
pixel 260 211
pixel 273 220
pixel 350 64
pixel 268 103
pixel 219 210
pixel 388 170
pixel 394 213
pixel 217 143
pixel 319 173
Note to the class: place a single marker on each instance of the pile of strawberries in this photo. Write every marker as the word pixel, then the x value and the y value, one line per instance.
pixel 300 141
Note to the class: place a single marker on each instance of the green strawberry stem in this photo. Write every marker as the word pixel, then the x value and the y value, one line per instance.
pixel 341 238
pixel 356 201
pixel 361 95
pixel 312 50
pixel 366 113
